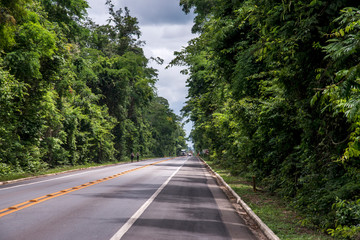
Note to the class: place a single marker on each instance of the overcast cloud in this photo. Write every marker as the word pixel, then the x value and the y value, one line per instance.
pixel 165 29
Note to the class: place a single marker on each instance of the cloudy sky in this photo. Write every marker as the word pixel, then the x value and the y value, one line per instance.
pixel 165 29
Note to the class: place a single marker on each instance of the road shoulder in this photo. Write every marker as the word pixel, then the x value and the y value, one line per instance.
pixel 230 210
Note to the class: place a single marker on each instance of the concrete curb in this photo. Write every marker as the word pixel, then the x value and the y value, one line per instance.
pixel 264 228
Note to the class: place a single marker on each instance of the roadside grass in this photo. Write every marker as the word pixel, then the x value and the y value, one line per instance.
pixel 60 169
pixel 15 176
pixel 272 210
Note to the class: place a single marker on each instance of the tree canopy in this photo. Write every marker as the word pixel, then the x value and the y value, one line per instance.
pixel 274 93
pixel 74 92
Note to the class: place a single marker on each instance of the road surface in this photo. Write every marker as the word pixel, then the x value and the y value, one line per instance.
pixel 168 198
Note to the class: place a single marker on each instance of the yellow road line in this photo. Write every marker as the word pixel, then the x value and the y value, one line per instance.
pixel 17 207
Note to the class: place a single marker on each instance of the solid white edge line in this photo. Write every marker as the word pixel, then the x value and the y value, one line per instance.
pixel 119 234
pixel 48 180
pixel 52 179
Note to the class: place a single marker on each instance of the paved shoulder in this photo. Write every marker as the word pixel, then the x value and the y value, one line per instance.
pixel 191 206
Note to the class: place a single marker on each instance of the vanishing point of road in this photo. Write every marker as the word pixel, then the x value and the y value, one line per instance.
pixel 167 198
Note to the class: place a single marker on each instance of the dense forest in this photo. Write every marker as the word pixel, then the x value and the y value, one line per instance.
pixel 73 92
pixel 274 92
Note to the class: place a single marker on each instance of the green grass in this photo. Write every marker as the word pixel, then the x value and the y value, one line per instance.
pixel 273 211
pixel 16 176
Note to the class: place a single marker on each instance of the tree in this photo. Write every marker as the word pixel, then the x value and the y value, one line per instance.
pixel 267 98
pixel 68 14
pixel 72 92
pixel 167 130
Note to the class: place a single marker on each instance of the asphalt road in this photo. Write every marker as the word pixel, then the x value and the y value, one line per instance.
pixel 155 199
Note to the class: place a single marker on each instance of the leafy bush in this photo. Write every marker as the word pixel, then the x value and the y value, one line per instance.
pixel 278 97
pixel 5 169
pixel 347 219
pixel 73 92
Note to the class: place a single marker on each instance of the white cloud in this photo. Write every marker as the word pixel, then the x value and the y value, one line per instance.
pixel 165 29
pixel 162 41
pixel 98 11
pixel 170 37
pixel 157 12
pixel 172 86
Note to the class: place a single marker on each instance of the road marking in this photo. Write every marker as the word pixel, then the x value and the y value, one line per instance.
pixel 27 184
pixel 121 232
pixel 53 179
pixel 15 208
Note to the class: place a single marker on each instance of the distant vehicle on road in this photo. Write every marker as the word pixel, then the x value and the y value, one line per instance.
pixel 189 154
pixel 183 152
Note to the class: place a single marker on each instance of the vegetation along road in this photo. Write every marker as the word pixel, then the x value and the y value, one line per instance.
pixel 168 198
pixel 273 94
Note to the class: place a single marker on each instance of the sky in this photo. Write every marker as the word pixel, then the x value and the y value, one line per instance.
pixel 165 29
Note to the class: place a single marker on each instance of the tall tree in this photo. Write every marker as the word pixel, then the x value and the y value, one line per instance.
pixel 68 14
pixel 73 92
pixel 266 97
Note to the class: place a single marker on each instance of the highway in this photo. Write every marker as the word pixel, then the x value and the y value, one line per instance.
pixel 167 198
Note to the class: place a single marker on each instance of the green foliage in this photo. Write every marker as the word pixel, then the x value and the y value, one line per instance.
pixel 11 12
pixel 74 93
pixel 5 169
pixel 347 219
pixel 12 94
pixel 278 96
pixel 68 14
pixel 167 132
